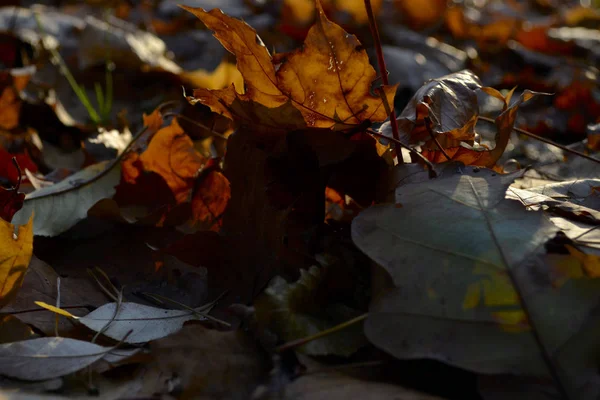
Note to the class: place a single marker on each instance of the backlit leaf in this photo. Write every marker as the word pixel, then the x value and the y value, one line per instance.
pixel 326 84
pixel 15 254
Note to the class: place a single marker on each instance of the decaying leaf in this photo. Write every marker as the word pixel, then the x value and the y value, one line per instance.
pixel 292 311
pixel 51 357
pixel 143 323
pixel 326 84
pixel 459 228
pixel 443 113
pixel 450 249
pixel 58 207
pixel 15 254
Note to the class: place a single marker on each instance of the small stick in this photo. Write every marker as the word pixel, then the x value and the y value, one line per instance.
pixel 543 139
pixel 428 127
pixel 382 70
pixel 413 151
pixel 300 342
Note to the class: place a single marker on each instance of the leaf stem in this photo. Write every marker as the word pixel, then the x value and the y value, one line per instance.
pixel 428 163
pixel 430 131
pixel 543 139
pixel 382 69
pixel 300 342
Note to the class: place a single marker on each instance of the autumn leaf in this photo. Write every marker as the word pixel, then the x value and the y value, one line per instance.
pixel 15 254
pixel 170 154
pixel 209 201
pixel 325 84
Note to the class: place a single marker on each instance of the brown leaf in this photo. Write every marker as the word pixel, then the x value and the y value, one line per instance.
pixel 325 84
pixel 170 154
pixel 210 200
pixel 450 102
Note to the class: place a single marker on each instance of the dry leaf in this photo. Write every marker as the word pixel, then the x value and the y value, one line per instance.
pixel 15 254
pixel 326 84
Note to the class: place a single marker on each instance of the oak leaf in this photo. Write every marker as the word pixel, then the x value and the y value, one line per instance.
pixel 324 84
pixel 15 254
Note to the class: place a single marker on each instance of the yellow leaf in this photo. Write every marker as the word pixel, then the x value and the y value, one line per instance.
pixel 55 309
pixel 15 254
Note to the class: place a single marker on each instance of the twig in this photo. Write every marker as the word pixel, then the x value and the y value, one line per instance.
pixel 428 163
pixel 382 71
pixel 300 342
pixel 190 309
pixel 428 127
pixel 57 305
pixel 543 139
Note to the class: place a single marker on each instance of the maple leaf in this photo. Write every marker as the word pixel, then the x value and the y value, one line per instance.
pixel 15 254
pixel 324 84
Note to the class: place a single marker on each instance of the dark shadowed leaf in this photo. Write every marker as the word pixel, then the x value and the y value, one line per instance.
pixel 51 357
pixel 449 245
pixel 293 311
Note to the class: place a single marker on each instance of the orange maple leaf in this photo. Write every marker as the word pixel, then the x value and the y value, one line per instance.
pixel 324 84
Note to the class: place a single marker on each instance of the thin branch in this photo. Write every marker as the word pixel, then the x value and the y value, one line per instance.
pixel 428 163
pixel 382 70
pixel 300 342
pixel 430 130
pixel 543 139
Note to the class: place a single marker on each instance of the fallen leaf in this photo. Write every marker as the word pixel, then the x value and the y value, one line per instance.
pixel 15 254
pixel 450 102
pixel 60 206
pixel 145 323
pixel 461 230
pixel 51 357
pixel 209 201
pixel 292 311
pixel 326 84
pixel 40 284
pixel 172 155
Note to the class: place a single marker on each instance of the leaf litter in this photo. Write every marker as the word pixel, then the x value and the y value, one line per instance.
pixel 273 187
